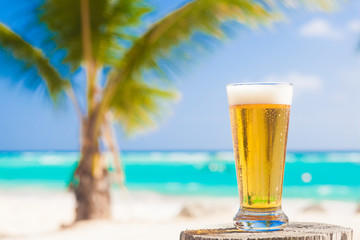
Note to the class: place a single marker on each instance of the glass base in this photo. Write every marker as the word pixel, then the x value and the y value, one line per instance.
pixel 260 221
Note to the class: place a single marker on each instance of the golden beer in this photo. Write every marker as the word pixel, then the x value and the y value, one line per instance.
pixel 259 136
pixel 259 115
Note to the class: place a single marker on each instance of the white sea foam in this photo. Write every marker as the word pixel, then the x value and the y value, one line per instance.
pixel 266 93
pixel 185 157
pixel 227 156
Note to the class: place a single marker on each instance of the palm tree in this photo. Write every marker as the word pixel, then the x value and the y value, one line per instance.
pixel 110 38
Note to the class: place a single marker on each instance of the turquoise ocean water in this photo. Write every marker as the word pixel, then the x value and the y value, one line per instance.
pixel 317 175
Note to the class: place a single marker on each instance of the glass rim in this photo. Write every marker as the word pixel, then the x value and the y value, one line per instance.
pixel 260 84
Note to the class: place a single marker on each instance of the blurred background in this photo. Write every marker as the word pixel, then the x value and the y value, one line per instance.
pixel 181 173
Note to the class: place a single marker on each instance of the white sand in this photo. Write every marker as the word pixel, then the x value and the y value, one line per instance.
pixel 36 214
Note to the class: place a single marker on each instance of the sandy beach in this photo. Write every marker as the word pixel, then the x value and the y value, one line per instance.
pixel 39 214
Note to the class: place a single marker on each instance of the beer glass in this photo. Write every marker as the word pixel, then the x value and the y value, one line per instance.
pixel 259 115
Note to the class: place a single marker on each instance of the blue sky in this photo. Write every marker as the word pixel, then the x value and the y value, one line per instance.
pixel 313 50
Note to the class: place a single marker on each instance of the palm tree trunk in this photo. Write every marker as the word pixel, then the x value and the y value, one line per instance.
pixel 92 191
pixel 93 188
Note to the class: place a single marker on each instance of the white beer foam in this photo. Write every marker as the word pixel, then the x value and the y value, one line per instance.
pixel 259 93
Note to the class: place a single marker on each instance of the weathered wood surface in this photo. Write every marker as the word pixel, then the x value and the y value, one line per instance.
pixel 294 231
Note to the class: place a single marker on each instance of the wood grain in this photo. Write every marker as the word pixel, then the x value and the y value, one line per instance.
pixel 294 231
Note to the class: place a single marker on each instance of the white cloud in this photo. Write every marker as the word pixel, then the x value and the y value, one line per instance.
pixel 301 82
pixel 319 28
pixel 354 26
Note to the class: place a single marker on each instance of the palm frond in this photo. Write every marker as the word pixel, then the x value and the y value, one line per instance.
pixel 158 42
pixel 32 58
pixel 197 16
pixel 138 105
pixel 110 23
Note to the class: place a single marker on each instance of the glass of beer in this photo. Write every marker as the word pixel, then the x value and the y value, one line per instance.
pixel 259 115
